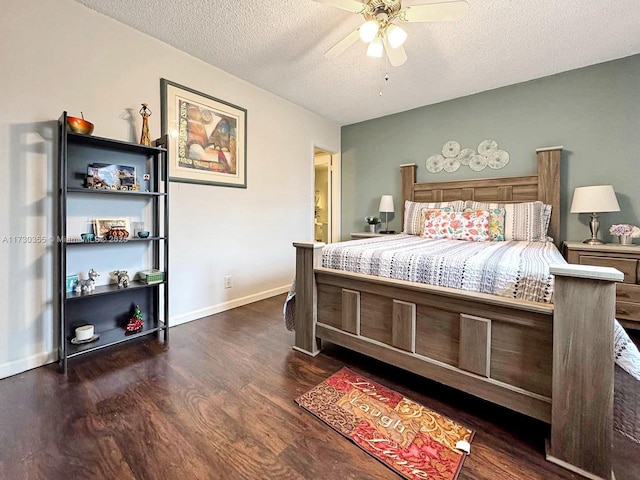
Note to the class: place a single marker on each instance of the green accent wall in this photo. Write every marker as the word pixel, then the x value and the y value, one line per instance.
pixel 593 112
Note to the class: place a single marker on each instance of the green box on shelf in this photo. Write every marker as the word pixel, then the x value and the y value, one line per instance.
pixel 151 276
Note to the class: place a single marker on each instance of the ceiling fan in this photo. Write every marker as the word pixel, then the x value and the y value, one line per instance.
pixel 379 29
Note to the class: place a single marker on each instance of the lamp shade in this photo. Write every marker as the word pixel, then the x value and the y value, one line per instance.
pixel 368 31
pixel 386 204
pixel 594 199
pixel 375 48
pixel 396 36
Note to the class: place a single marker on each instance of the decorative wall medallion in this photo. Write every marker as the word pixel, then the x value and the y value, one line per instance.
pixel 497 159
pixel 478 163
pixel 453 156
pixel 465 156
pixel 435 163
pixel 451 149
pixel 487 146
pixel 451 165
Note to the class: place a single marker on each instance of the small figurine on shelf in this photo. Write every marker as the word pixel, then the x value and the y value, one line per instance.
pixel 145 139
pixel 87 285
pixel 135 323
pixel 123 278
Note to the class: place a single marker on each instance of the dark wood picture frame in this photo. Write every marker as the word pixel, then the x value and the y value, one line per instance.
pixel 207 137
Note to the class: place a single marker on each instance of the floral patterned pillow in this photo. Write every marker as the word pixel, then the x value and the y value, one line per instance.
pixel 526 221
pixel 496 223
pixel 413 213
pixel 472 225
pixel 437 209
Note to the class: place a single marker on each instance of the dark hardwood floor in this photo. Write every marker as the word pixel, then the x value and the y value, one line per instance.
pixel 218 404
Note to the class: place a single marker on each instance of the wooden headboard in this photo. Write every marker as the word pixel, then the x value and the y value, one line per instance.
pixel 545 186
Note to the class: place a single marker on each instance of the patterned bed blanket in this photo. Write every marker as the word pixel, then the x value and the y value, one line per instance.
pixel 509 269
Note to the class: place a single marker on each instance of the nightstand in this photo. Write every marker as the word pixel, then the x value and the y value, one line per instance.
pixel 625 258
pixel 359 235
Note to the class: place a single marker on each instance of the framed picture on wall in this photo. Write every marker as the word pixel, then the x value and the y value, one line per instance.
pixel 207 137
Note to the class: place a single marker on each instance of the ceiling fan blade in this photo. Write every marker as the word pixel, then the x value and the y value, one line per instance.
pixel 434 12
pixel 348 5
pixel 343 44
pixel 397 56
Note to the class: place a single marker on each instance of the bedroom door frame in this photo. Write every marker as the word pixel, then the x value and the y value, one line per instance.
pixel 334 189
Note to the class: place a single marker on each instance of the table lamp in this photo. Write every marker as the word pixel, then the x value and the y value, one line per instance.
pixel 386 207
pixel 594 200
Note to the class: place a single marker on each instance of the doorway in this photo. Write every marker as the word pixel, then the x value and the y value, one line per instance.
pixel 326 197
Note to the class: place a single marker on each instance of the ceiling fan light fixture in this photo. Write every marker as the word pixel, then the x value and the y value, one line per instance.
pixel 378 29
pixel 396 36
pixel 369 30
pixel 375 48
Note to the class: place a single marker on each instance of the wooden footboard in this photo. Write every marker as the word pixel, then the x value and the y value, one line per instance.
pixel 514 353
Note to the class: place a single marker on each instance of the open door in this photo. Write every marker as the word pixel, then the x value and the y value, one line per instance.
pixel 326 196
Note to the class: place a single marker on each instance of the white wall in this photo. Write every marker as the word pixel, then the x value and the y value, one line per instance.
pixel 57 55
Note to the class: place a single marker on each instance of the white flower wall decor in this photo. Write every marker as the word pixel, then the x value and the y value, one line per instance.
pixel 452 157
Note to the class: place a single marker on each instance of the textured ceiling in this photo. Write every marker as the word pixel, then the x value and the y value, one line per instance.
pixel 279 45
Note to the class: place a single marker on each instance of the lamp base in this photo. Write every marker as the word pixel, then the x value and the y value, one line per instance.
pixel 594 225
pixel 593 241
pixel 387 231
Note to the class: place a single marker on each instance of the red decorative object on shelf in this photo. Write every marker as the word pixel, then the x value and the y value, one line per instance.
pixel 135 323
pixel 117 234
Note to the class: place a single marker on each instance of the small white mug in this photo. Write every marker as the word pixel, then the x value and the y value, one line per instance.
pixel 84 332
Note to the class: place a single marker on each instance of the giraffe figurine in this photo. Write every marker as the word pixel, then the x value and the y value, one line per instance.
pixel 145 139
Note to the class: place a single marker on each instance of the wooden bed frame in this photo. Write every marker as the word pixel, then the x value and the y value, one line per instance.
pixel 551 362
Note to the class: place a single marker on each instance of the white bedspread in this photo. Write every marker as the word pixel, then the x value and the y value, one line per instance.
pixel 626 353
pixel 509 269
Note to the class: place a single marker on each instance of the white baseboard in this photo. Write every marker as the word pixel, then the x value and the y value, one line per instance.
pixel 21 365
pixel 222 307
pixel 15 367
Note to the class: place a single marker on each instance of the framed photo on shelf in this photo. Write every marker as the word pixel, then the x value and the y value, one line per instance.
pixel 102 226
pixel 207 137
pixel 72 282
pixel 111 177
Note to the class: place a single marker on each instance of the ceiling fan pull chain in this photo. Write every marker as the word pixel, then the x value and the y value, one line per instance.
pixel 386 79
pixel 386 75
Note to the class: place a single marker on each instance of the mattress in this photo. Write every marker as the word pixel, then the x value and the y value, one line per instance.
pixel 511 269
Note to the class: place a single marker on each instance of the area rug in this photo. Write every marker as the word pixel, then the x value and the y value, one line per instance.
pixel 412 440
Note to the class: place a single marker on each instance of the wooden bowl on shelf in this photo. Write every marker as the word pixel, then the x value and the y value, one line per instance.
pixel 80 125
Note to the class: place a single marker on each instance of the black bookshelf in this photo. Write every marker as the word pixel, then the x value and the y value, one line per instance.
pixel 108 307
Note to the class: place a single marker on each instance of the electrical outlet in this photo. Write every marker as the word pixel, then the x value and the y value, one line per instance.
pixel 227 281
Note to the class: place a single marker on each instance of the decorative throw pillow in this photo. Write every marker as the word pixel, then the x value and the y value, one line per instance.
pixel 412 213
pixel 422 215
pixel 472 225
pixel 496 223
pixel 426 212
pixel 522 221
